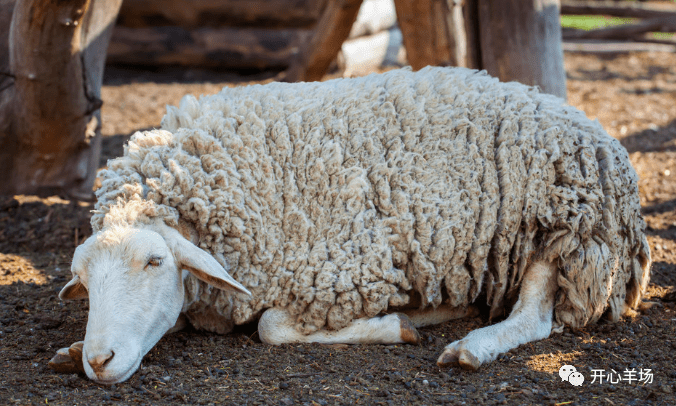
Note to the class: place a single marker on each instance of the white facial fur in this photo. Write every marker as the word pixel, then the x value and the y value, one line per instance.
pixel 135 289
pixel 135 296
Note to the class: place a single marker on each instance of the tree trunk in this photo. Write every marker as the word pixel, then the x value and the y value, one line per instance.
pixel 521 41
pixel 49 112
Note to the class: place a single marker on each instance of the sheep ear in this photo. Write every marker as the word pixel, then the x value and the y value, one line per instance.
pixel 74 290
pixel 199 263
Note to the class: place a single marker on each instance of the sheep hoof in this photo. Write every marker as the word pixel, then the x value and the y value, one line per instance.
pixel 557 327
pixel 468 361
pixel 68 360
pixel 409 334
pixel 447 359
pixel 459 357
pixel 75 351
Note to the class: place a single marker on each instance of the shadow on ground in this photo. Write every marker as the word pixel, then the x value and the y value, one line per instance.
pixel 121 75
pixel 604 72
pixel 652 140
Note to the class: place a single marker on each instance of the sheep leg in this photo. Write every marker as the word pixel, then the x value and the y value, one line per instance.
pixel 181 323
pixel 530 320
pixel 276 327
pixel 441 314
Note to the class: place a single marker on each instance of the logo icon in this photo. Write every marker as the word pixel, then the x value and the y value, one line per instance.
pixel 569 373
pixel 576 379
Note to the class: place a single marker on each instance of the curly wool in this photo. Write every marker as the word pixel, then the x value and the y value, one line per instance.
pixel 338 200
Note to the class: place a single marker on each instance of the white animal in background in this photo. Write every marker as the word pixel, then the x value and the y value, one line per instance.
pixel 354 211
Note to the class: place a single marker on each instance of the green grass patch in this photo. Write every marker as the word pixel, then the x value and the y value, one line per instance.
pixel 593 22
pixel 663 35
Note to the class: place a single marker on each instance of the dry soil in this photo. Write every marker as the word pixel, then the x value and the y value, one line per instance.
pixel 632 95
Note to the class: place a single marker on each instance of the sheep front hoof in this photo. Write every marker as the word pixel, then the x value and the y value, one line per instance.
pixel 468 361
pixel 68 360
pixel 455 355
pixel 409 334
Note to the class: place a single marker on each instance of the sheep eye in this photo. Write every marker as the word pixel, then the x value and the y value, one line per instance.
pixel 154 261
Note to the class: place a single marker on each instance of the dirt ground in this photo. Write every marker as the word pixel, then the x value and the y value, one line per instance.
pixel 632 95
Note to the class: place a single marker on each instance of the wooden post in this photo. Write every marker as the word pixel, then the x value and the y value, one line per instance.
pixel 512 39
pixel 49 112
pixel 321 49
pixel 455 32
pixel 415 21
pixel 437 32
pixel 470 11
pixel 433 31
pixel 521 41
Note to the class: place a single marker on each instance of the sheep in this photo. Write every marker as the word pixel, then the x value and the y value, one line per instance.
pixel 356 210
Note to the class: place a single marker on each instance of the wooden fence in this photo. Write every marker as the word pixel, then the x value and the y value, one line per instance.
pixel 649 18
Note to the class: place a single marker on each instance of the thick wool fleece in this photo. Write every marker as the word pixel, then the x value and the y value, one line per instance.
pixel 337 200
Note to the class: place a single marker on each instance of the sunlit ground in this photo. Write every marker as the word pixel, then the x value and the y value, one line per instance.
pixel 15 268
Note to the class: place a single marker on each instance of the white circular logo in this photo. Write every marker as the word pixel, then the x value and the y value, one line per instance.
pixel 576 379
pixel 565 371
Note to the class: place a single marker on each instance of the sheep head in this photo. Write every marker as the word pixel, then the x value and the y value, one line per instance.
pixel 133 277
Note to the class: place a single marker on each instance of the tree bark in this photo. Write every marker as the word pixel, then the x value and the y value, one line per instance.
pixel 49 114
pixel 521 41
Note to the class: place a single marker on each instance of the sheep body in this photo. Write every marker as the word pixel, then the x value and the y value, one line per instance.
pixel 341 199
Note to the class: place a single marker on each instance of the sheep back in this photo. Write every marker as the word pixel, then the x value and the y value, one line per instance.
pixel 340 199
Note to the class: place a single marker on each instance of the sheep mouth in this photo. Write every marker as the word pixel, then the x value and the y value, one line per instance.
pixel 119 377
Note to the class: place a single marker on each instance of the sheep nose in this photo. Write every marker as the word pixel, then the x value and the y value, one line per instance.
pixel 99 361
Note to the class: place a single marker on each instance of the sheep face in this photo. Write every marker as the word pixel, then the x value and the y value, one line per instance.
pixel 134 280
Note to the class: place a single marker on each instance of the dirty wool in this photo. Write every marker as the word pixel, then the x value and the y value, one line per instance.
pixel 352 197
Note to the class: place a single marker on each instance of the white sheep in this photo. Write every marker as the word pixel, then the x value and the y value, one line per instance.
pixel 333 203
